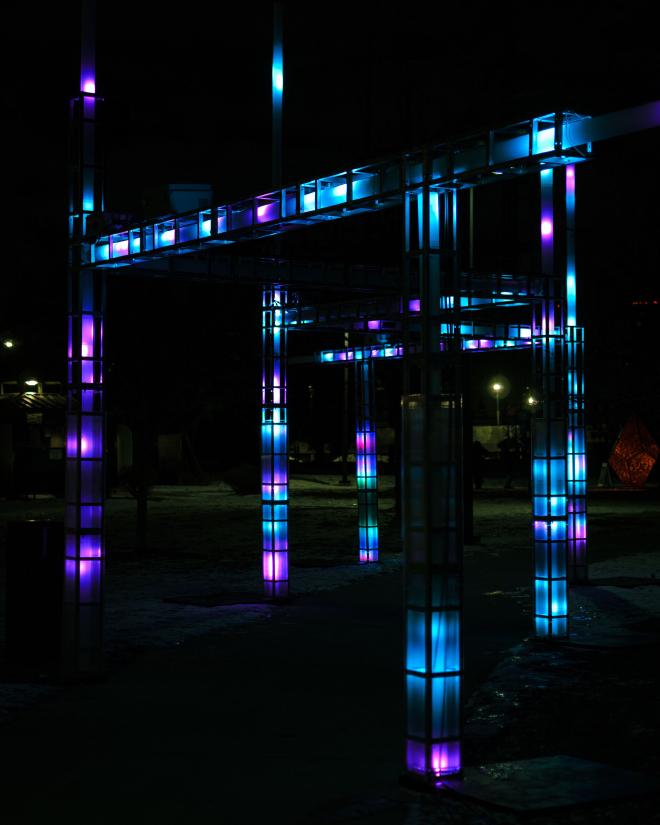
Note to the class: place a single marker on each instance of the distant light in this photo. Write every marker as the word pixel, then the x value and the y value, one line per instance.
pixel 497 387
pixel 89 87
pixel 278 79
pixel 546 228
pixel 531 400
pixel 8 343
pixel 32 382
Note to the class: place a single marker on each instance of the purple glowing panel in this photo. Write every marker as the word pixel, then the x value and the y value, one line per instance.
pixel 275 566
pixel 441 758
pixel 86 574
pixel 91 436
pixel 89 400
pixel 87 342
pixel 268 212
pixel 87 372
pixel 91 517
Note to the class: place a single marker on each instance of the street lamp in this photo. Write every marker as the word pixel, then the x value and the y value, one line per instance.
pixel 8 343
pixel 497 388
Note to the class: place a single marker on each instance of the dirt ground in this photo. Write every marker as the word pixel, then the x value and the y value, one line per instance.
pixel 295 713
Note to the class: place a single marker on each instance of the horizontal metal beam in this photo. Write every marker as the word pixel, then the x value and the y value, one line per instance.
pixel 215 268
pixel 523 147
pixel 396 349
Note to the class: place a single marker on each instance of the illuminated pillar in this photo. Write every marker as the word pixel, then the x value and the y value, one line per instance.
pixel 432 487
pixel 85 471
pixel 549 438
pixel 277 83
pixel 576 440
pixel 274 447
pixel 365 455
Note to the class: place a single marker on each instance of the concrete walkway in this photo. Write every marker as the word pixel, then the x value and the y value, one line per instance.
pixel 284 720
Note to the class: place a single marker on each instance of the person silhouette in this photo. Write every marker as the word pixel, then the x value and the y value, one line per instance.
pixel 479 453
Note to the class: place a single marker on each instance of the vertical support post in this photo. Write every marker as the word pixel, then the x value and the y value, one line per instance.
pixel 432 487
pixel 277 92
pixel 85 466
pixel 549 477
pixel 467 463
pixel 274 447
pixel 576 440
pixel 344 419
pixel 366 468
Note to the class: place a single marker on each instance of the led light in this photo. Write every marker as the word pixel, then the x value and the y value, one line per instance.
pixel 278 79
pixel 89 87
pixel 546 228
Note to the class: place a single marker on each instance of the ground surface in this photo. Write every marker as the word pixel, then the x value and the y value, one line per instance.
pixel 294 713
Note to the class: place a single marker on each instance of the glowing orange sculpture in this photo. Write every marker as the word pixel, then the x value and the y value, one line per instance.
pixel 634 453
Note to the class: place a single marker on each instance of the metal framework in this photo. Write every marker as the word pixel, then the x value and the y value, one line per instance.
pixel 274 448
pixel 366 471
pixel 549 437
pixel 429 313
pixel 85 478
pixel 485 158
pixel 432 487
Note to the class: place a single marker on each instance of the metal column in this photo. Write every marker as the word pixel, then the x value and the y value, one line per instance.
pixel 432 486
pixel 549 431
pixel 85 467
pixel 274 447
pixel 365 455
pixel 576 440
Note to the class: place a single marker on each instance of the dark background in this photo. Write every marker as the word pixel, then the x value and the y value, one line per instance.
pixel 187 93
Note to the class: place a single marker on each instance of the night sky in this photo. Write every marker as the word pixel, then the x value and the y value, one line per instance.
pixel 187 95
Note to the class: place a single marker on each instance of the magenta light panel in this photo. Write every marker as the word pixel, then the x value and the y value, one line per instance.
pixel 274 447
